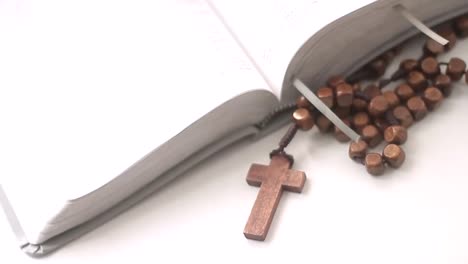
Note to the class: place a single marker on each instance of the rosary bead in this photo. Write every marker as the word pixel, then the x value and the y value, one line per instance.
pixel 430 67
pixel 404 91
pixel 371 135
pixel 358 150
pixel 378 106
pixel 377 67
pixel 433 98
pixel 396 135
pixel 374 164
pixel 381 123
pixel 372 91
pixel 326 95
pixel 444 83
pixel 324 125
pixel 303 118
pixel 339 135
pixel 417 81
pixel 403 115
pixel 409 65
pixel 359 105
pixel 456 68
pixel 362 95
pixel 334 81
pixel 356 87
pixel 342 112
pixel 344 95
pixel 461 25
pixel 391 120
pixel 302 102
pixel 392 98
pixel 433 48
pixel 417 107
pixel 446 31
pixel 360 120
pixel 394 155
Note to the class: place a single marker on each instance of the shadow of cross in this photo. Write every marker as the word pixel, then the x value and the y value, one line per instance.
pixel 272 179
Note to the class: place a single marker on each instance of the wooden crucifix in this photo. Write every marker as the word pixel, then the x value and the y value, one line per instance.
pixel 272 179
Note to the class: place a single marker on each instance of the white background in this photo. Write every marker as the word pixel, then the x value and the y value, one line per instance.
pixel 417 214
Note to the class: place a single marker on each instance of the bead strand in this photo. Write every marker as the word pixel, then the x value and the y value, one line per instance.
pixel 386 115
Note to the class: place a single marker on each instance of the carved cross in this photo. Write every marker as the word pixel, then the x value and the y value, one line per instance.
pixel 272 179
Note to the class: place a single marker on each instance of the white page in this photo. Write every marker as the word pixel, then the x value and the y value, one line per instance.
pixel 273 31
pixel 90 87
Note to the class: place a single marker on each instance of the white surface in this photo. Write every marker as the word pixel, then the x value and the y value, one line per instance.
pixel 93 78
pixel 91 87
pixel 417 214
pixel 273 30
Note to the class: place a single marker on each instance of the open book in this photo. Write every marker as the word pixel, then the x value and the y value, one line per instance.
pixel 106 102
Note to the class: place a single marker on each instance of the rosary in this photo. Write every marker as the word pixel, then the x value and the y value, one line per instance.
pixel 374 114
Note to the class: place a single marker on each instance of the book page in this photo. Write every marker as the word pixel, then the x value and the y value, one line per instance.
pixel 90 87
pixel 273 31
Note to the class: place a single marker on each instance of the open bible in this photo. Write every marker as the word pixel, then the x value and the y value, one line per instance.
pixel 106 102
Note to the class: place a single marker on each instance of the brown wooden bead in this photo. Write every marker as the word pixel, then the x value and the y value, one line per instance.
pixel 378 106
pixel 302 102
pixel 409 65
pixel 371 135
pixel 303 118
pixel 326 95
pixel 392 98
pixel 433 48
pixel 456 68
pixel 452 38
pixel 391 120
pixel 396 135
pixel 403 115
pixel 404 91
pixel 358 150
pixel 324 125
pixel 342 112
pixel 339 135
pixel 360 120
pixel 444 83
pixel 446 31
pixel 359 105
pixel 381 123
pixel 417 107
pixel 374 164
pixel 430 67
pixel 344 95
pixel 461 26
pixel 433 98
pixel 372 91
pixel 394 155
pixel 334 81
pixel 356 87
pixel 417 81
pixel 377 67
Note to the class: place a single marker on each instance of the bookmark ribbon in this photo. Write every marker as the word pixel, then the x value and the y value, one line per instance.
pixel 319 105
pixel 420 25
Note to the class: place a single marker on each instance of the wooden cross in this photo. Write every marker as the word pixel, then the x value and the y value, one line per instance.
pixel 272 179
